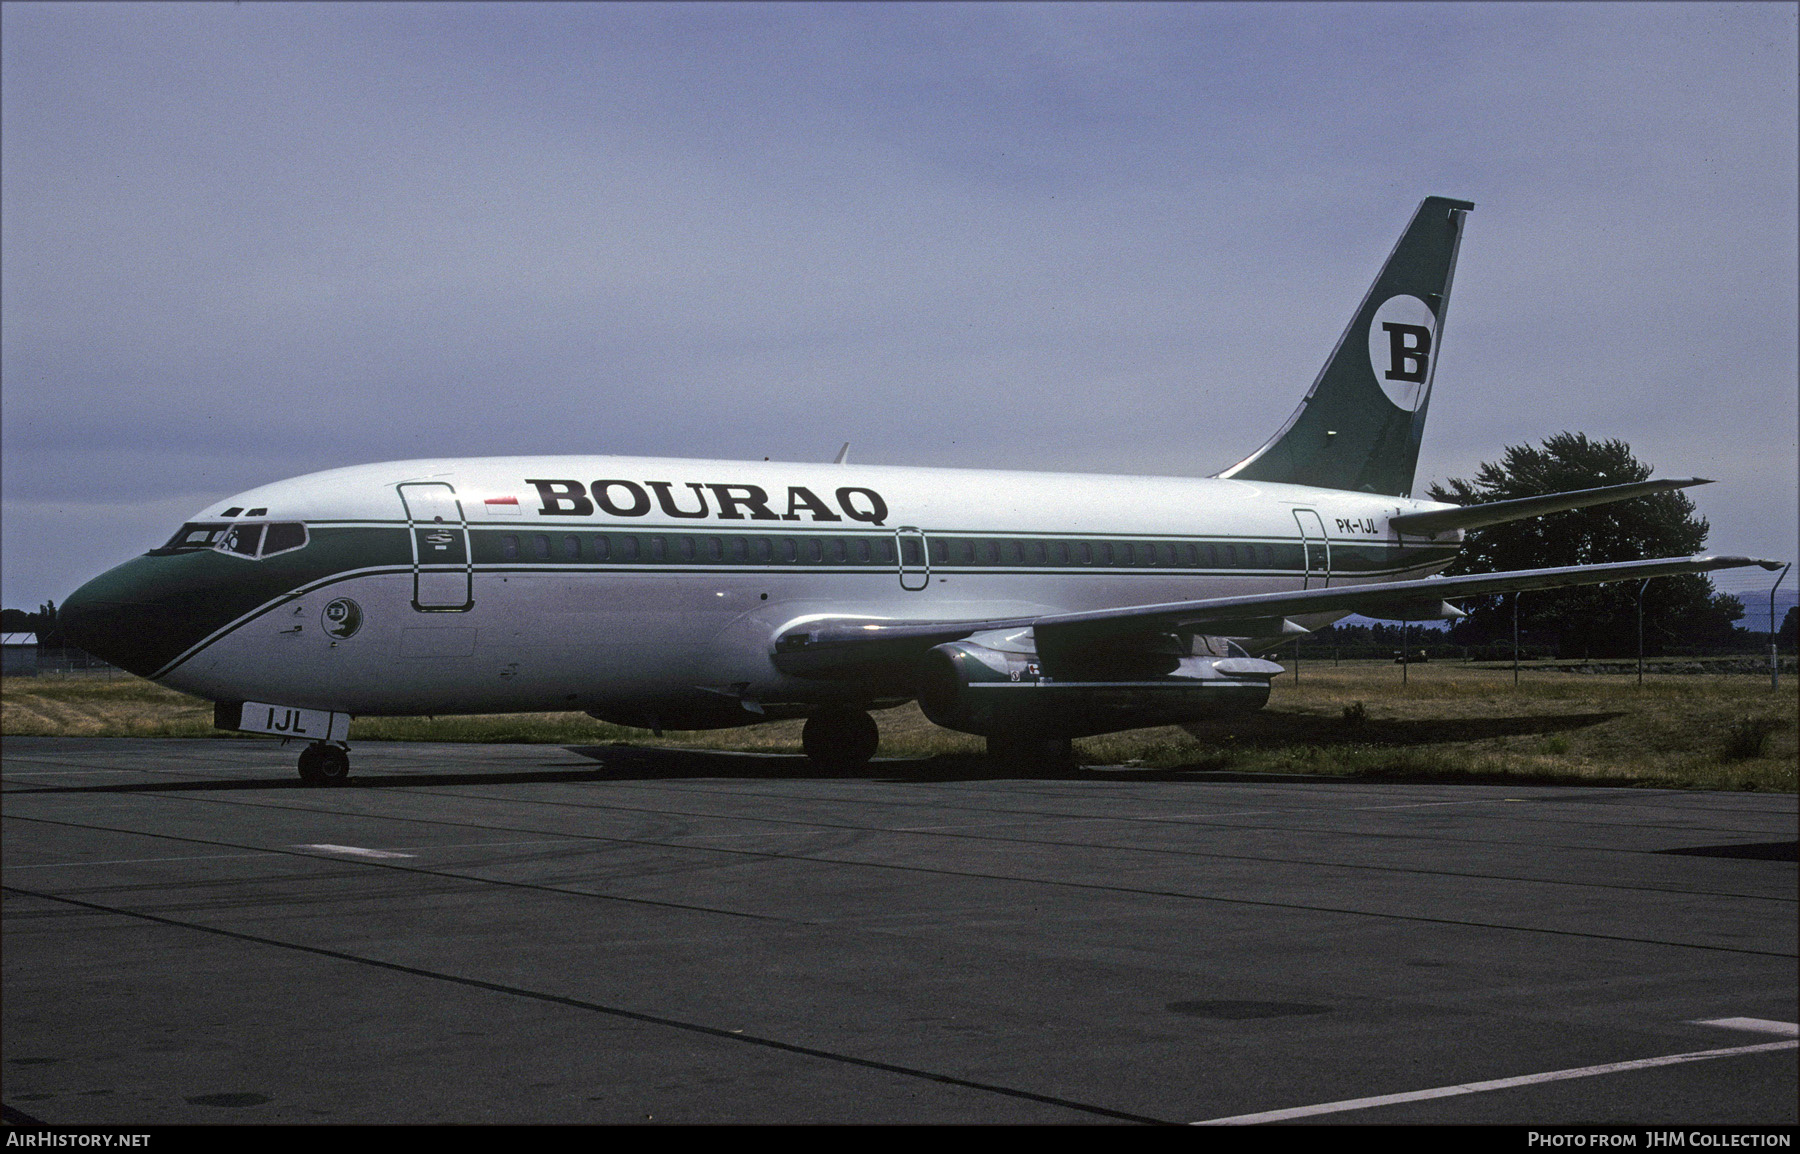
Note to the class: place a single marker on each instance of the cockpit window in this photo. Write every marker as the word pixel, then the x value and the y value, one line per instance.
pixel 248 539
pixel 284 535
pixel 194 535
pixel 244 540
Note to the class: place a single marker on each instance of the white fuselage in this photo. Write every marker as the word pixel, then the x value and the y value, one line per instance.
pixel 525 616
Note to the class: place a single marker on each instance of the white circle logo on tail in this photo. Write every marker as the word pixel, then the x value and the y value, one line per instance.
pixel 1402 341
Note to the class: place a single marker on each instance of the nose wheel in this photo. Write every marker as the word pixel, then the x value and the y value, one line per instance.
pixel 322 764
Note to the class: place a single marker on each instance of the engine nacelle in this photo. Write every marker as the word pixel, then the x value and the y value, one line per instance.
pixel 991 692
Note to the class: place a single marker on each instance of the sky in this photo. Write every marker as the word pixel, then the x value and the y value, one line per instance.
pixel 245 242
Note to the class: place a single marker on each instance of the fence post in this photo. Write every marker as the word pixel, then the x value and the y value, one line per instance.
pixel 1516 637
pixel 1774 649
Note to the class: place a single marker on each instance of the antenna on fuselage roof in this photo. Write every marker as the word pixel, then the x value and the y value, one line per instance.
pixel 843 457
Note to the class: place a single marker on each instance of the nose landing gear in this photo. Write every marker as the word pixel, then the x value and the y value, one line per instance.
pixel 322 763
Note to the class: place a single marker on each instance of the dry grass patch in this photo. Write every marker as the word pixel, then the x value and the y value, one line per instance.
pixel 1446 722
pixel 96 706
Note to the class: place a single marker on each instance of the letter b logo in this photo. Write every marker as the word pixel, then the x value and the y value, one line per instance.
pixel 1402 334
pixel 1408 348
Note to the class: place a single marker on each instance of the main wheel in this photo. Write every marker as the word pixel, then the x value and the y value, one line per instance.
pixel 840 737
pixel 324 765
pixel 1032 753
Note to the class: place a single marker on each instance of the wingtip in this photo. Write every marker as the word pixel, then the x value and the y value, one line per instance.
pixel 1721 562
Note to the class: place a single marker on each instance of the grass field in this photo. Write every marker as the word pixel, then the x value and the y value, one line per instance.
pixel 1449 721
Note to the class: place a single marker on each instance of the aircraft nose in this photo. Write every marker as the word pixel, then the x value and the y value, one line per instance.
pixel 126 617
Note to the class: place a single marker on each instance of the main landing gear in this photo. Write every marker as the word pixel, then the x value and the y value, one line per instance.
pixel 840 738
pixel 322 763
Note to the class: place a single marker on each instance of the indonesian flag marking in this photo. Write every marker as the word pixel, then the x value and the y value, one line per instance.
pixel 503 507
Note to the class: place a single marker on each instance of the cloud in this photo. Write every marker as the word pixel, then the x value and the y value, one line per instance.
pixel 246 242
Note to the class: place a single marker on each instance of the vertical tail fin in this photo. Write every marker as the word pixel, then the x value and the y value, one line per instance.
pixel 1360 425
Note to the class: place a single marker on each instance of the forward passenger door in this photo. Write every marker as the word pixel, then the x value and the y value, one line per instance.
pixel 442 580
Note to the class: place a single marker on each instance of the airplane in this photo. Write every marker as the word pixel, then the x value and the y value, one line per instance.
pixel 1029 609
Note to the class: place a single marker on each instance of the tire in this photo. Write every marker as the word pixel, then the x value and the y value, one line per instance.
pixel 324 765
pixel 840 738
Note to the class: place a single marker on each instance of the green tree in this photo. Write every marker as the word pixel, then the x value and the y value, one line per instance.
pixel 1588 620
pixel 48 628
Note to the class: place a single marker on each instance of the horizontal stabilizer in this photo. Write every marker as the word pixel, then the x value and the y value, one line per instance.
pixel 1500 512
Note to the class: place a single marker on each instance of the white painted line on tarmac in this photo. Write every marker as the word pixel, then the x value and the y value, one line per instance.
pixel 1759 1025
pixel 1496 1084
pixel 354 851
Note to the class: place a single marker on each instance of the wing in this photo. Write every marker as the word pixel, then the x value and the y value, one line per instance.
pixel 887 651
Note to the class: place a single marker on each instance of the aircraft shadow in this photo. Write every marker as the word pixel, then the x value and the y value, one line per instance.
pixel 620 763
pixel 644 763
pixel 1281 730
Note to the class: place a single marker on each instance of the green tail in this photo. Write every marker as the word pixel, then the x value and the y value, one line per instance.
pixel 1361 423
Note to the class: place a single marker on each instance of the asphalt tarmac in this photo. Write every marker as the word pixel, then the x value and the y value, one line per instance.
pixel 546 934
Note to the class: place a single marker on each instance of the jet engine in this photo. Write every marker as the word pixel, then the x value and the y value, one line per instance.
pixel 994 685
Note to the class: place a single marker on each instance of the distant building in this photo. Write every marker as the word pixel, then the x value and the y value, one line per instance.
pixel 20 652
